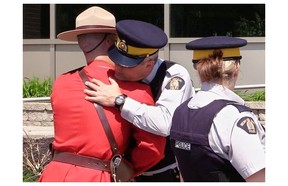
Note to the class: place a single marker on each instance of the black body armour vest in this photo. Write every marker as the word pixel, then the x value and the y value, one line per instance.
pixel 190 143
pixel 155 85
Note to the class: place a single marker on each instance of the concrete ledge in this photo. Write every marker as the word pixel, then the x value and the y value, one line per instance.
pixel 38 131
pixel 256 104
pixel 38 118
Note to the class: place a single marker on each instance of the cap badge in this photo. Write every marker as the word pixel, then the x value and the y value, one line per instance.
pixel 122 46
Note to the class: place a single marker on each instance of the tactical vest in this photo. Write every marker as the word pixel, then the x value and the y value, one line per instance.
pixel 190 143
pixel 155 85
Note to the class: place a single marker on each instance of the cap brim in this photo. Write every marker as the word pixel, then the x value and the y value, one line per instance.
pixel 71 35
pixel 123 60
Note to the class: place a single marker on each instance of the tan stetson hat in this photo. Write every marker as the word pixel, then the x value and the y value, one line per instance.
pixel 92 20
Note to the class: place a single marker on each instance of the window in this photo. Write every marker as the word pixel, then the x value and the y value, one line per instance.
pixel 66 14
pixel 36 20
pixel 201 20
pixel 186 20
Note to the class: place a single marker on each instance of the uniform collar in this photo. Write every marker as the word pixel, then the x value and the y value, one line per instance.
pixel 152 74
pixel 212 91
pixel 222 91
pixel 101 63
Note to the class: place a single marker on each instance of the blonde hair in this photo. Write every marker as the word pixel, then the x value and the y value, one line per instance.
pixel 215 69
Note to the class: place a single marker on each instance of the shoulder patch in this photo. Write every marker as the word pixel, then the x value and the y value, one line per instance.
pixel 176 83
pixel 247 124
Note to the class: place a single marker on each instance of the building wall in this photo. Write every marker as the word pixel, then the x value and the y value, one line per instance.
pixel 45 58
pixel 50 58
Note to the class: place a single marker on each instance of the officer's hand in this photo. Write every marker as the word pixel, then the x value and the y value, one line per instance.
pixel 102 93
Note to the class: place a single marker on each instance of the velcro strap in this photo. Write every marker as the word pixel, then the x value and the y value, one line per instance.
pixel 81 160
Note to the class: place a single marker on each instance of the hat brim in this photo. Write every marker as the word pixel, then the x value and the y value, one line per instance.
pixel 123 60
pixel 71 35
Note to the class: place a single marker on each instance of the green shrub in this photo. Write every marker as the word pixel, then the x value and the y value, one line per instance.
pixel 29 176
pixel 36 88
pixel 255 96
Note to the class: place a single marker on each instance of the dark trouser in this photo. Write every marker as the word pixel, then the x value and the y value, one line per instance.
pixel 171 175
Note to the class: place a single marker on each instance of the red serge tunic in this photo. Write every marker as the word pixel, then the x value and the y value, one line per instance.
pixel 78 128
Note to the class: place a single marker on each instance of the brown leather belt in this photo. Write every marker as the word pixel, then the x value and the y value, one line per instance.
pixel 80 160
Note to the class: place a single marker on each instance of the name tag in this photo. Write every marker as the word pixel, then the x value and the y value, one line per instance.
pixel 182 145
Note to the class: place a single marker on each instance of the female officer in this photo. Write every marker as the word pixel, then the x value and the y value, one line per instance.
pixel 215 137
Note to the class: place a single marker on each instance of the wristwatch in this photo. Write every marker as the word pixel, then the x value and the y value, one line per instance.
pixel 119 101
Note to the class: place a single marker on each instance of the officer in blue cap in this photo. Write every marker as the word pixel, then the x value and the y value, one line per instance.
pixel 135 55
pixel 137 40
pixel 215 137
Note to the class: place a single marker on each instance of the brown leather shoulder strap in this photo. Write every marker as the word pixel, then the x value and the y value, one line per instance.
pixel 107 128
pixel 83 76
pixel 103 119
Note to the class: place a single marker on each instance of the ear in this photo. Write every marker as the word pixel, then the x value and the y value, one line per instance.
pixel 195 66
pixel 110 40
pixel 237 68
pixel 150 64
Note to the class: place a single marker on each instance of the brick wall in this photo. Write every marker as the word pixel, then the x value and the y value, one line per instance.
pixel 258 107
pixel 38 117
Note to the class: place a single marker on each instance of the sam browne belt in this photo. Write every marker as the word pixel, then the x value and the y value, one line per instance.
pixel 81 160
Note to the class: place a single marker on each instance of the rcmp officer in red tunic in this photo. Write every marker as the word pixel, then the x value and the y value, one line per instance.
pixel 82 151
pixel 135 55
pixel 215 137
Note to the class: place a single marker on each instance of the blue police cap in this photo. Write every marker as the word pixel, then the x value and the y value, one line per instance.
pixel 136 41
pixel 205 46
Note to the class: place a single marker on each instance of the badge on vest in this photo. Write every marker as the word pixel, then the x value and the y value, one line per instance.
pixel 182 145
pixel 175 83
pixel 247 124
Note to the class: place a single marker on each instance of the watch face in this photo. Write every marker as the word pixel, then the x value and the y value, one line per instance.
pixel 119 100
